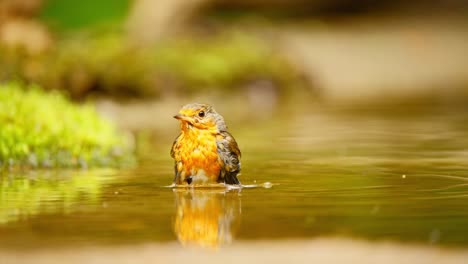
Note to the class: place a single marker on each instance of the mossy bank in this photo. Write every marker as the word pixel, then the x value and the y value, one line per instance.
pixel 39 129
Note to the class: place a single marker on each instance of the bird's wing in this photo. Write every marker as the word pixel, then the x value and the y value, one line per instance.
pixel 174 146
pixel 229 155
pixel 173 155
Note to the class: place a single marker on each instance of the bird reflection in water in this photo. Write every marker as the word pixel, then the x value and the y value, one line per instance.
pixel 206 218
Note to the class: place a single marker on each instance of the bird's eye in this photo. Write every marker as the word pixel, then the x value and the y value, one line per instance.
pixel 201 114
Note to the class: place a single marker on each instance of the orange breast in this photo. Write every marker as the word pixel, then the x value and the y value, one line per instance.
pixel 198 154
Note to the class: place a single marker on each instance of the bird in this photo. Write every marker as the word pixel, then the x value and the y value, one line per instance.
pixel 204 152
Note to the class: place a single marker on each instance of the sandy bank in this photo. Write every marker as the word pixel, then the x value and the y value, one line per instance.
pixel 313 251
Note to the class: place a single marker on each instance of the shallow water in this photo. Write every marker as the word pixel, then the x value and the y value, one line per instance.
pixel 375 176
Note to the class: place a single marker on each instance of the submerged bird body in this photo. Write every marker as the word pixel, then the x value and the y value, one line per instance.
pixel 204 152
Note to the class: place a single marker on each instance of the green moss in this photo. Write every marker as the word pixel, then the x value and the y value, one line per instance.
pixel 46 130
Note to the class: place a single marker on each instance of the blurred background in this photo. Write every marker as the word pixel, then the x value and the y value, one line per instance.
pixel 351 116
pixel 335 51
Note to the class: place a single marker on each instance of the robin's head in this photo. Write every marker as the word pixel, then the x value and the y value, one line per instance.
pixel 200 116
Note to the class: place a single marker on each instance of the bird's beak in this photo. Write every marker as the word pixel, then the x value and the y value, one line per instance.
pixel 183 118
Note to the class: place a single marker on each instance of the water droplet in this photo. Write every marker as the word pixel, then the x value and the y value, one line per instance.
pixel 310 220
pixel 403 176
pixel 434 236
pixel 375 210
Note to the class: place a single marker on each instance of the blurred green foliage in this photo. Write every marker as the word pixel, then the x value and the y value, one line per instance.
pixel 227 61
pixel 66 15
pixel 46 130
pixel 109 64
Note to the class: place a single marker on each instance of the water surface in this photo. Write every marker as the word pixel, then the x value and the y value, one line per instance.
pixel 373 176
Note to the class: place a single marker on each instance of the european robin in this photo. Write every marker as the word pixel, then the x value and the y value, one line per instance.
pixel 204 152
